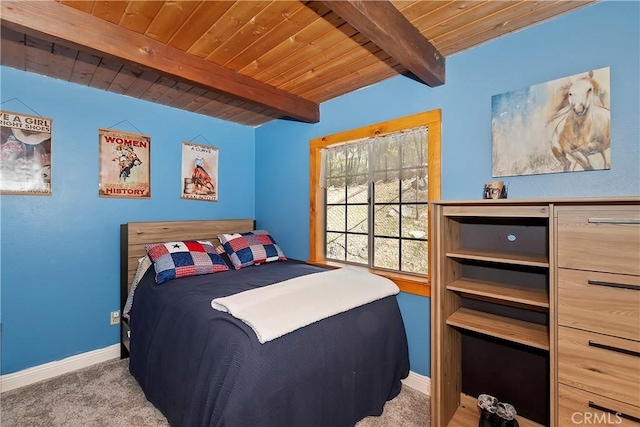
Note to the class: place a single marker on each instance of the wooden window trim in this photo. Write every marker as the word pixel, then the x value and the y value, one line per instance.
pixel 432 120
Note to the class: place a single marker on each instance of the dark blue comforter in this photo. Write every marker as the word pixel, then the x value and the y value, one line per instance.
pixel 203 367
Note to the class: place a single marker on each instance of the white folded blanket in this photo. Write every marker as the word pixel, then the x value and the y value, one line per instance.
pixel 275 310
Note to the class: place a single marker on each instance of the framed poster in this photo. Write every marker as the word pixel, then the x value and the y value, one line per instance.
pixel 199 172
pixel 25 147
pixel 125 169
pixel 558 126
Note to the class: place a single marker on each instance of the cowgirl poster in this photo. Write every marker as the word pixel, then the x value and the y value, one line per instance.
pixel 25 150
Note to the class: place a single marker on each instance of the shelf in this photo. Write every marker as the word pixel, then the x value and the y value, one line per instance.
pixel 492 303
pixel 498 211
pixel 497 291
pixel 518 331
pixel 468 414
pixel 501 257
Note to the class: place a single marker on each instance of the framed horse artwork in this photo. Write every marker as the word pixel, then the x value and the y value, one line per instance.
pixel 559 126
pixel 199 172
pixel 125 169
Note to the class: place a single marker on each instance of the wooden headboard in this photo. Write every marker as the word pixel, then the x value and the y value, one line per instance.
pixel 134 235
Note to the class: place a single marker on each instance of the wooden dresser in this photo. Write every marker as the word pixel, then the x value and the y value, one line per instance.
pixel 536 302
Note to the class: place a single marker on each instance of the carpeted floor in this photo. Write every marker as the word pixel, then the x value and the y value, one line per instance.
pixel 106 395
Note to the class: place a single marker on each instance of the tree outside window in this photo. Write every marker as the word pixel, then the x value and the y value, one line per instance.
pixel 370 193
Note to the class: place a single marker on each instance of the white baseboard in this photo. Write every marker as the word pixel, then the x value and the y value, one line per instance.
pixel 418 382
pixel 59 367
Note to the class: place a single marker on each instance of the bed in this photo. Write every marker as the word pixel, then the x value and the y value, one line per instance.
pixel 204 367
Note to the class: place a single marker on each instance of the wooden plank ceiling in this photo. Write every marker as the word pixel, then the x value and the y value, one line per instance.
pixel 251 62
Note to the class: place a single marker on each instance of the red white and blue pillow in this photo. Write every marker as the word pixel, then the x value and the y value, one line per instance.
pixel 173 260
pixel 253 247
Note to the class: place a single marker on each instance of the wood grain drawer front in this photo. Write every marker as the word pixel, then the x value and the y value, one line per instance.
pixel 577 407
pixel 601 364
pixel 599 302
pixel 600 238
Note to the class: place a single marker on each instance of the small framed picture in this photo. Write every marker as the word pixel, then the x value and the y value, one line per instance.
pixel 25 144
pixel 125 169
pixel 199 177
pixel 495 190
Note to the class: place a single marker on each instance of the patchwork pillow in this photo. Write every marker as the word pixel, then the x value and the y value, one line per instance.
pixel 173 260
pixel 253 247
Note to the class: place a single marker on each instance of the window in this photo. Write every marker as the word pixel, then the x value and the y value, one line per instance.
pixel 376 201
pixel 370 189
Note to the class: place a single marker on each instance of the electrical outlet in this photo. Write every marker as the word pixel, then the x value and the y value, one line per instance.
pixel 115 317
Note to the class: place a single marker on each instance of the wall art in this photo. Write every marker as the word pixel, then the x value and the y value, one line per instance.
pixel 125 169
pixel 25 149
pixel 199 177
pixel 558 126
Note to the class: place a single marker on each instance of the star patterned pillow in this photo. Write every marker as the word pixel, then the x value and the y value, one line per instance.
pixel 173 260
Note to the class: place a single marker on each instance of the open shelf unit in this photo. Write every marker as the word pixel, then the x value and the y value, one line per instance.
pixel 535 302
pixel 491 292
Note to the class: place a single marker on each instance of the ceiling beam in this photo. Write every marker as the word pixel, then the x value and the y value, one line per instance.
pixel 385 26
pixel 55 22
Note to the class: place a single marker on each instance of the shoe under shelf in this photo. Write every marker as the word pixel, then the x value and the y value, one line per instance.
pixel 506 328
pixel 468 414
pixel 511 293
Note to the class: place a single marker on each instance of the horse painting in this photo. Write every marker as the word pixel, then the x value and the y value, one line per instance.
pixel 583 129
pixel 557 126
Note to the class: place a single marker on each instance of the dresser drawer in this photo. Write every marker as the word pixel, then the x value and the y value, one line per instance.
pixel 578 407
pixel 601 364
pixel 599 302
pixel 599 238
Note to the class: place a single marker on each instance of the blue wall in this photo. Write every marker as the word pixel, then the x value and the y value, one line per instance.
pixel 605 34
pixel 60 254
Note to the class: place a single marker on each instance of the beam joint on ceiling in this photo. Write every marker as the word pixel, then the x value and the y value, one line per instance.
pixel 383 24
